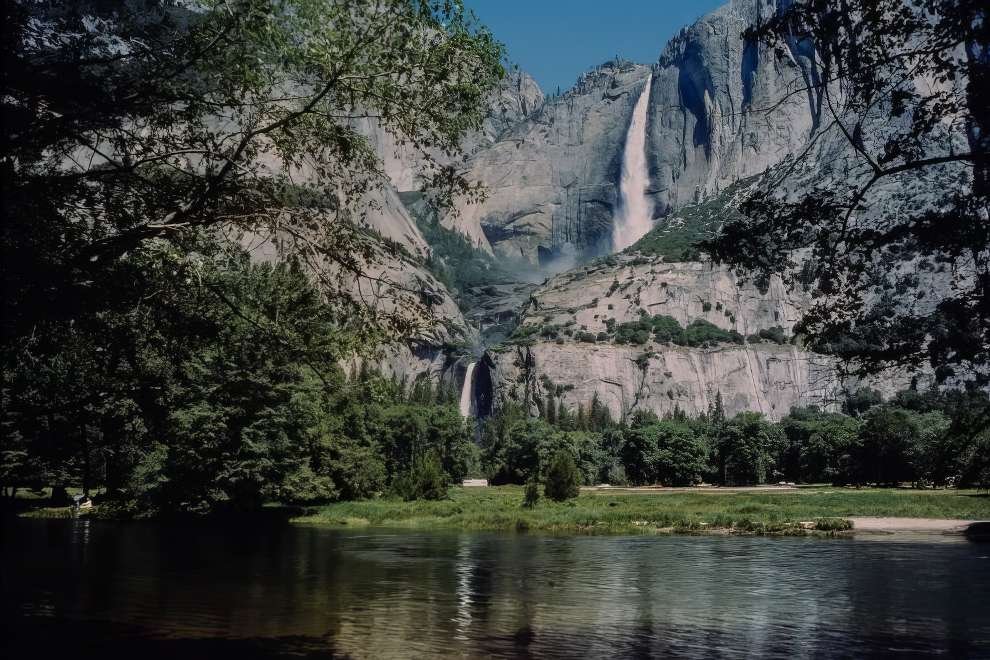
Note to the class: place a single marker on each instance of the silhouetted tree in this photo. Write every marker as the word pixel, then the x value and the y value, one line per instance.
pixel 906 85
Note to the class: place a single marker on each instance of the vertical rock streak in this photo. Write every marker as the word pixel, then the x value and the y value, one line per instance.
pixel 466 390
pixel 635 212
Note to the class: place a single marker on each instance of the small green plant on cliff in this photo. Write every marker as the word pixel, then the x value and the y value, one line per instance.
pixel 774 334
pixel 704 333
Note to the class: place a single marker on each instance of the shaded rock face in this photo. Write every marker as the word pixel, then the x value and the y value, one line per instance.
pixel 723 108
pixel 552 180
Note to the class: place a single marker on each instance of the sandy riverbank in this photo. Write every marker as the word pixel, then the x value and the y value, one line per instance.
pixel 890 525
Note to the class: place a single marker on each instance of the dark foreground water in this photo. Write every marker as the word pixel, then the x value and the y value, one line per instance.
pixel 88 589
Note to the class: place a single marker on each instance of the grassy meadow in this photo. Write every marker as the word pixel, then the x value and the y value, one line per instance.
pixel 623 511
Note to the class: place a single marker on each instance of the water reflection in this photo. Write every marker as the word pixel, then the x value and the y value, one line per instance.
pixel 196 591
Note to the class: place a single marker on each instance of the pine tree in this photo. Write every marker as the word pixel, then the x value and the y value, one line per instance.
pixel 563 480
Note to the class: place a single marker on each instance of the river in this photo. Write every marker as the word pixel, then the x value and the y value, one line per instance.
pixel 85 588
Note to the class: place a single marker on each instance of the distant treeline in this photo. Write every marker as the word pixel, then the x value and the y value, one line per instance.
pixel 917 438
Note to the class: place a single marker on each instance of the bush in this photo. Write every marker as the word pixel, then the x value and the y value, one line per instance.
pixel 774 334
pixel 702 333
pixel 666 328
pixel 563 481
pixel 832 524
pixel 425 480
pixel 532 495
pixel 615 475
pixel 634 332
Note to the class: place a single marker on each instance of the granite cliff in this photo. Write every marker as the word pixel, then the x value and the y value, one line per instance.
pixel 656 327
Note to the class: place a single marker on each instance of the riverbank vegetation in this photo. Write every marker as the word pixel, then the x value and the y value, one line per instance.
pixel 621 512
pixel 321 435
pixel 919 438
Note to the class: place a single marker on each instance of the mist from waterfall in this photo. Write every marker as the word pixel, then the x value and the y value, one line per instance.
pixel 466 390
pixel 635 209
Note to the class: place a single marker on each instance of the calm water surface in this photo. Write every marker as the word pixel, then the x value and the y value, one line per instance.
pixel 95 589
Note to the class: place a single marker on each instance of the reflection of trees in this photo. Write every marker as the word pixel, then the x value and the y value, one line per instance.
pixel 326 592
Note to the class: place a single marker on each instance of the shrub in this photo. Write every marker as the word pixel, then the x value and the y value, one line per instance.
pixel 666 328
pixel 832 524
pixel 774 334
pixel 633 332
pixel 704 333
pixel 615 475
pixel 563 481
pixel 425 480
pixel 532 495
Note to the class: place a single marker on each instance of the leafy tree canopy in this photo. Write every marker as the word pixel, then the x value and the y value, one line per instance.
pixel 153 119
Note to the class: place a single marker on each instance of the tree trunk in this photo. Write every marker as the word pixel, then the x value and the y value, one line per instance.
pixel 84 440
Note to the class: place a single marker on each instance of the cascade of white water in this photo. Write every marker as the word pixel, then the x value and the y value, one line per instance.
pixel 635 210
pixel 466 390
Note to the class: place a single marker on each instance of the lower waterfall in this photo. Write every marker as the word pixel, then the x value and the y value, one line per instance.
pixel 466 390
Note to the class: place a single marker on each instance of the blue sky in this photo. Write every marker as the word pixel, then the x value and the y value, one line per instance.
pixel 558 40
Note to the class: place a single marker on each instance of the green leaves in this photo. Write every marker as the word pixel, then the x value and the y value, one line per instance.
pixel 163 122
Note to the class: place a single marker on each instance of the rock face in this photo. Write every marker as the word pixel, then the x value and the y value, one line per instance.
pixel 552 180
pixel 516 98
pixel 769 379
pixel 723 109
pixel 715 116
pixel 723 115
pixel 570 309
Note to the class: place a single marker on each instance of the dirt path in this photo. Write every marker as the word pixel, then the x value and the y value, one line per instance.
pixel 711 490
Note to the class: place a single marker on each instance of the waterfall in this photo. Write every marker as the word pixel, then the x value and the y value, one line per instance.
pixel 466 390
pixel 635 210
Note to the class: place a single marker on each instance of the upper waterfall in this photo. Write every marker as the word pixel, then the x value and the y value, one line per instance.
pixel 466 390
pixel 635 209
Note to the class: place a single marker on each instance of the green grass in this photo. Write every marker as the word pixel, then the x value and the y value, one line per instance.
pixel 622 512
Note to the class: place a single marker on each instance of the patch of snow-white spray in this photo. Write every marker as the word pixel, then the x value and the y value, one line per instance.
pixel 635 209
pixel 466 390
